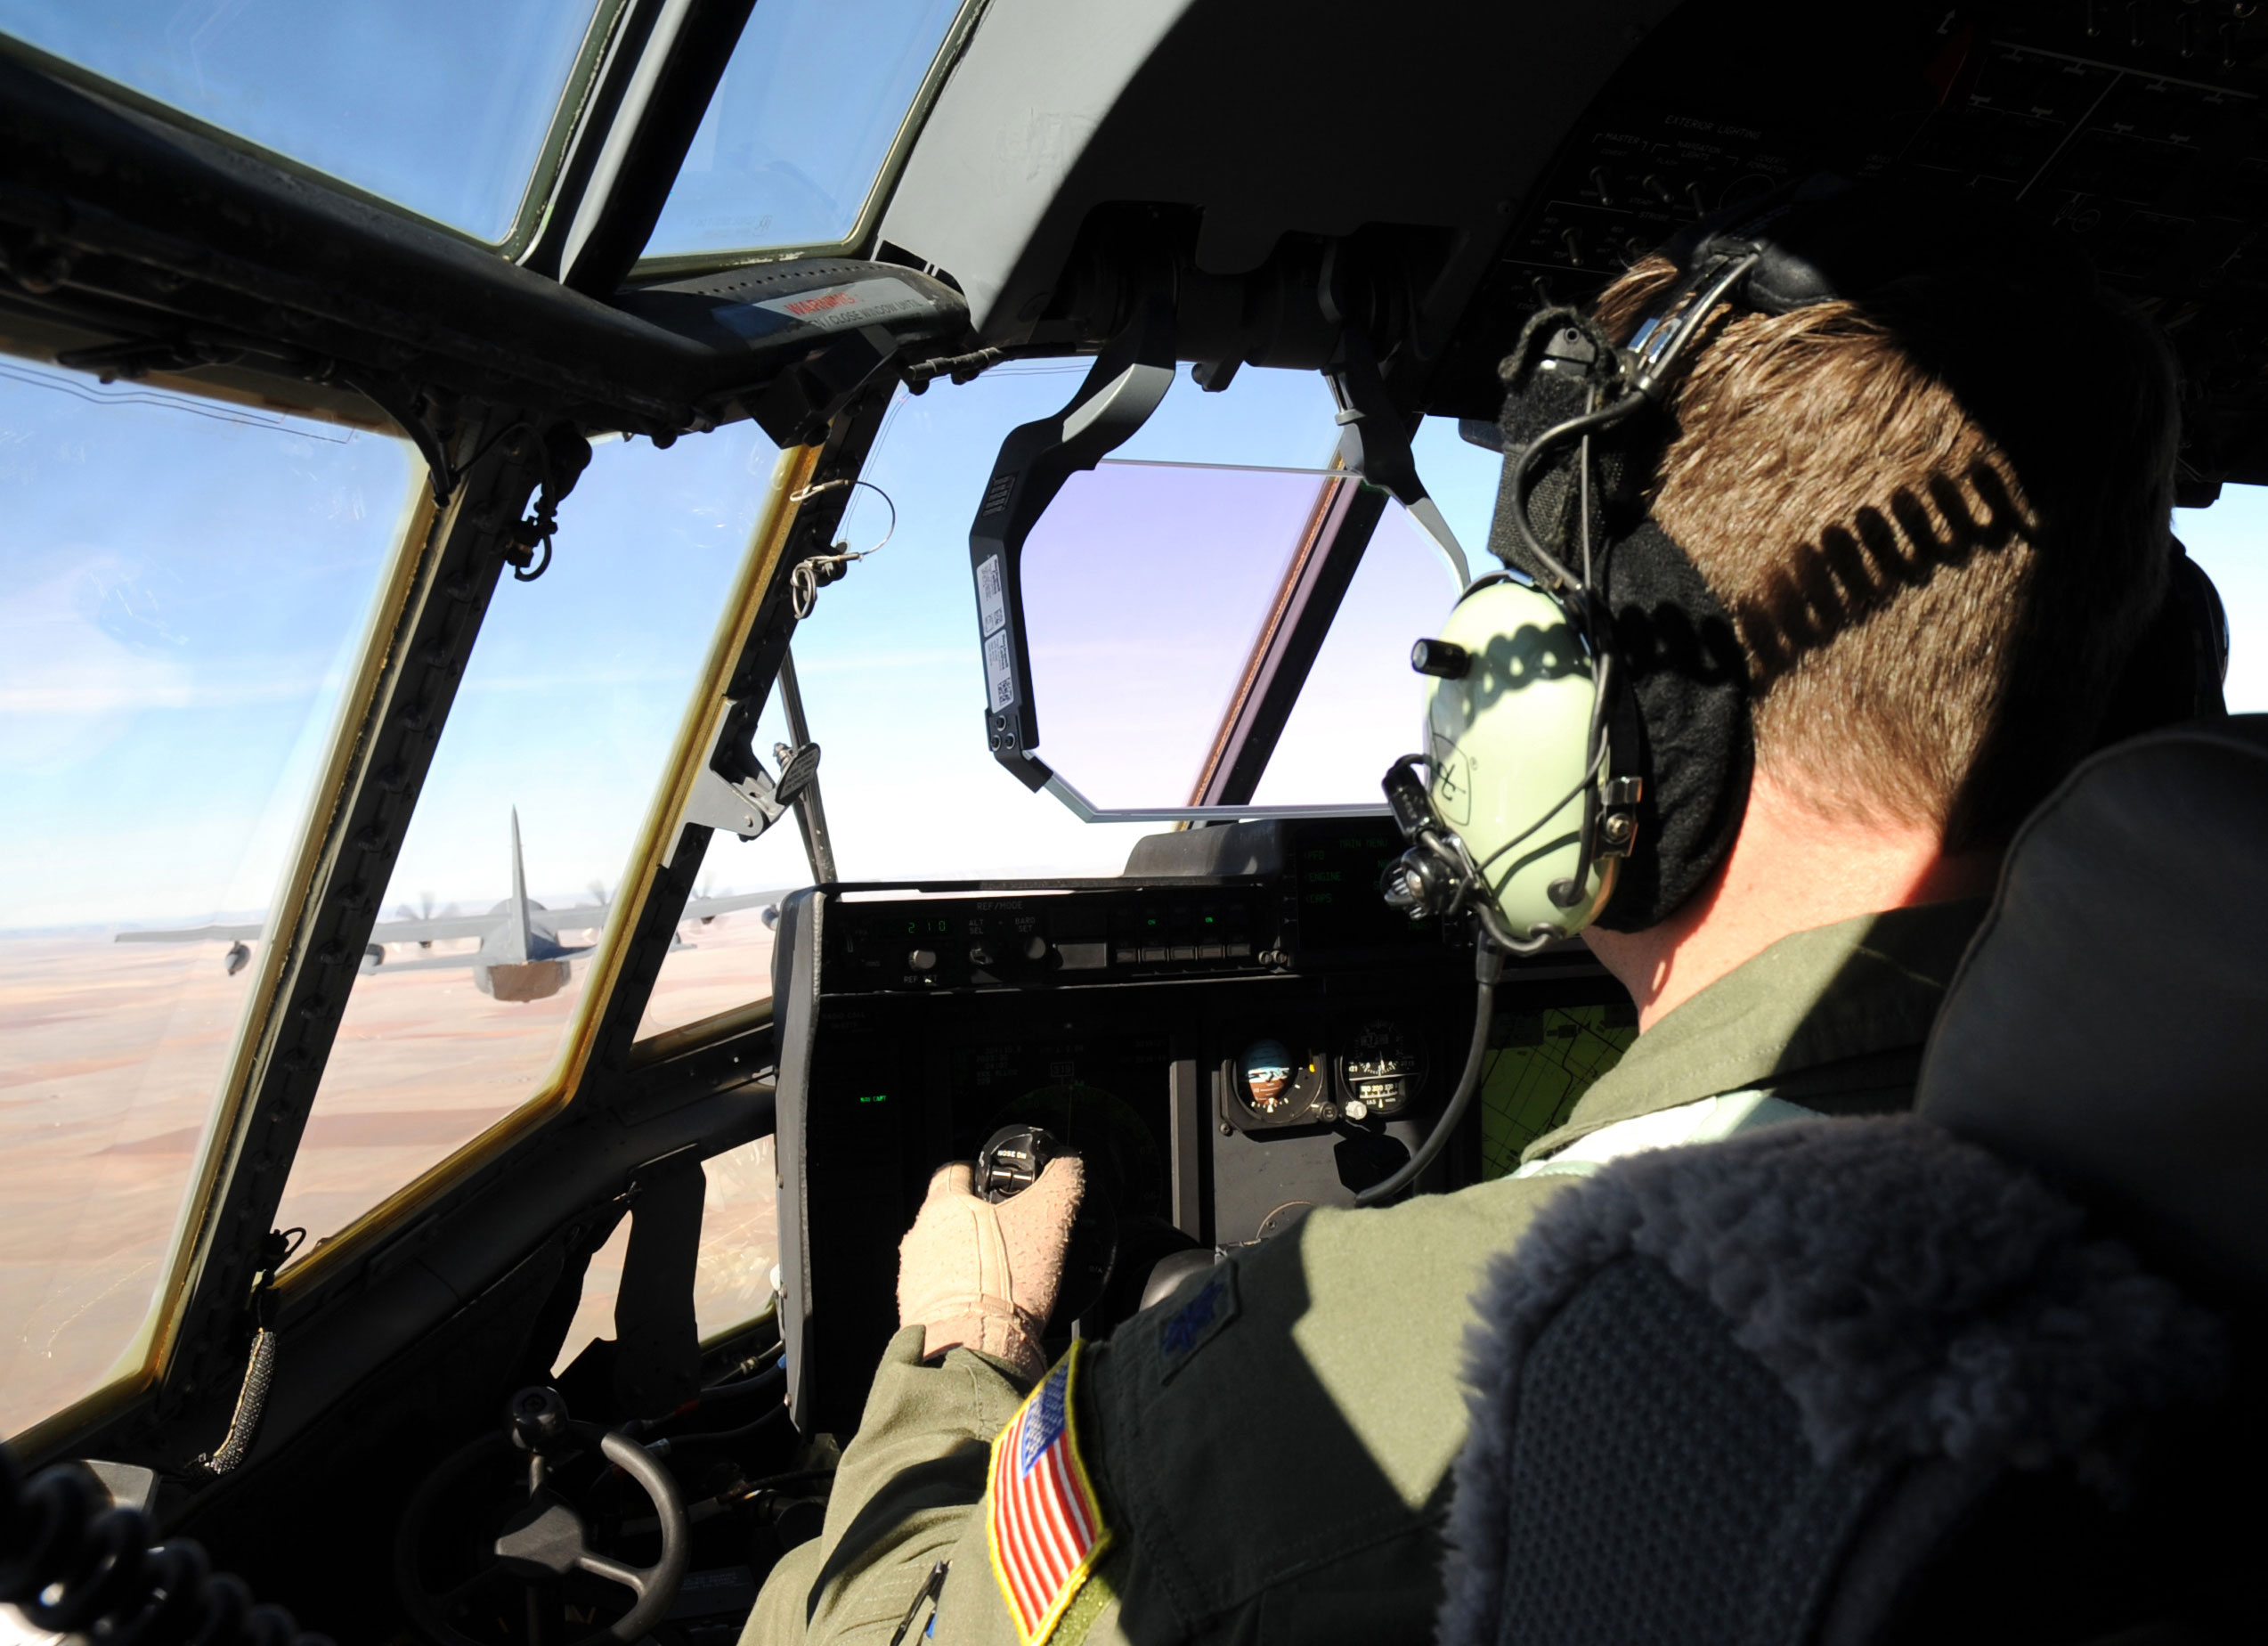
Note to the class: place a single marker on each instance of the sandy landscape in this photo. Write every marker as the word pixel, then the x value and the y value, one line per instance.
pixel 109 1056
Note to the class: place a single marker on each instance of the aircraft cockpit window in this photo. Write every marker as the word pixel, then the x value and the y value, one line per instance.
pixel 184 587
pixel 451 111
pixel 499 903
pixel 894 684
pixel 1356 709
pixel 803 125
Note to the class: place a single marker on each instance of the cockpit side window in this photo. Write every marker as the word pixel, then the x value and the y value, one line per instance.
pixel 183 588
pixel 499 902
pixel 1360 706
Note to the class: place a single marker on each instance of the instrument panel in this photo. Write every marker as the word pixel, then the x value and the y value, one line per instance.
pixel 1225 1052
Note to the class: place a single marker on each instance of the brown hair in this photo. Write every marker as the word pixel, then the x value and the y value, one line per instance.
pixel 1939 520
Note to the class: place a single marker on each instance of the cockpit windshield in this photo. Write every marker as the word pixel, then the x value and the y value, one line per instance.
pixel 802 125
pixel 454 112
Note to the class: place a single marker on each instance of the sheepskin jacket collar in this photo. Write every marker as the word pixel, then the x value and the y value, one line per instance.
pixel 1833 1020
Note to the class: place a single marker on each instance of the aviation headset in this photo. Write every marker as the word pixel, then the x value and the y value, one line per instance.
pixel 1589 742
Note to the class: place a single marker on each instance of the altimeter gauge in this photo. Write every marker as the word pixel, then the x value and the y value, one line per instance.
pixel 1381 1070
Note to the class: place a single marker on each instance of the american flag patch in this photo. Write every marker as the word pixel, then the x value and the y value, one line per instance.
pixel 1044 1528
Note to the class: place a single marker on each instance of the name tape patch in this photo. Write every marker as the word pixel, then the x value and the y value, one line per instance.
pixel 1210 1307
pixel 1044 1527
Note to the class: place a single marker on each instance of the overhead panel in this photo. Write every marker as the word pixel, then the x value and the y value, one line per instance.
pixel 1266 117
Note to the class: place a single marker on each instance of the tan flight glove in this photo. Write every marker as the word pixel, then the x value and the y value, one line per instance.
pixel 985 1276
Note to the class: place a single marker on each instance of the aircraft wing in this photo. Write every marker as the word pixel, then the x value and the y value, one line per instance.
pixel 195 934
pixel 702 908
pixel 581 917
pixel 433 929
pixel 425 963
pixel 437 963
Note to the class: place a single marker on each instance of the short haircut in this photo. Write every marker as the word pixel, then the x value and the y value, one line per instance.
pixel 1939 517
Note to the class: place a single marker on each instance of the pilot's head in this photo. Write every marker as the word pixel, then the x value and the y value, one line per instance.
pixel 1936 514
pixel 1865 496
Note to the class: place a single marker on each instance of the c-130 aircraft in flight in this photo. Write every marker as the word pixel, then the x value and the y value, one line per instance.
pixel 522 955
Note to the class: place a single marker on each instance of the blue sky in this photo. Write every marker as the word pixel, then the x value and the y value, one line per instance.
pixel 182 587
pixel 808 105
pixel 444 107
pixel 441 106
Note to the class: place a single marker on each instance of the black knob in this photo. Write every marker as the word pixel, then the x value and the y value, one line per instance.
pixel 1012 1160
pixel 538 1419
pixel 1443 659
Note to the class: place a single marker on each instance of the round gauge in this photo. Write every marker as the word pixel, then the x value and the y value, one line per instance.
pixel 1267 1068
pixel 1382 1067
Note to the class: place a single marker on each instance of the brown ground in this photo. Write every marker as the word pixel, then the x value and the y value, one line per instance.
pixel 109 1056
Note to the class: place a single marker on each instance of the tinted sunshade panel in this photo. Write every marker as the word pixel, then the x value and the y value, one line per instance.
pixel 543 777
pixel 802 125
pixel 448 111
pixel 183 588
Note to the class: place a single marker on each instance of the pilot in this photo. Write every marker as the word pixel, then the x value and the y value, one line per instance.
pixel 1936 517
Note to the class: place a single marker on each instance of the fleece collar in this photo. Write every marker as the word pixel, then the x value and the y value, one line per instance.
pixel 1848 997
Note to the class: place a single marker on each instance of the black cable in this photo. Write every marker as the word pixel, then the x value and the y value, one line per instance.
pixel 73 1563
pixel 771 1377
pixel 670 1443
pixel 1488 966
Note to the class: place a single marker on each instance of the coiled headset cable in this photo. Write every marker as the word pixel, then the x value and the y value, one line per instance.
pixel 74 1563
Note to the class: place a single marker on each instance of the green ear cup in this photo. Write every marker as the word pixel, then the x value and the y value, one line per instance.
pixel 1508 745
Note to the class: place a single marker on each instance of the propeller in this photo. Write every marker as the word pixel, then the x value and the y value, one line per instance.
pixel 424 911
pixel 708 890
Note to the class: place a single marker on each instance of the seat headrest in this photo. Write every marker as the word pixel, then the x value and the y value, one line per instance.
pixel 2110 1024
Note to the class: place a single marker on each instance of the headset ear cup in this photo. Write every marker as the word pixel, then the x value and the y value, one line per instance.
pixel 1687 680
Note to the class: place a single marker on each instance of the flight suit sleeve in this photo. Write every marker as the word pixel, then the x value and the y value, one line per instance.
pixel 906 1491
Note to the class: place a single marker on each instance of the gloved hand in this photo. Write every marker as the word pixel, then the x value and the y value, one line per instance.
pixel 983 1276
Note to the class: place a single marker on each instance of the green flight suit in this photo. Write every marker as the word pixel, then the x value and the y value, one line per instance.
pixel 1272 1445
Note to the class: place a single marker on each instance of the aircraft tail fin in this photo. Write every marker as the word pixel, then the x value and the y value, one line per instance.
pixel 520 887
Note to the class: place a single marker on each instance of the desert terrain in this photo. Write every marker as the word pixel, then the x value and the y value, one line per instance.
pixel 109 1058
